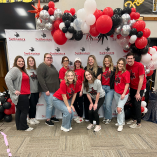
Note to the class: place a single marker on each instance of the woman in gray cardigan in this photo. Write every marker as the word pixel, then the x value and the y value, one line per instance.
pixel 17 82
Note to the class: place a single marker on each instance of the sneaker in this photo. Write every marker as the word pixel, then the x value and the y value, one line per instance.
pixel 80 120
pixel 131 121
pixel 75 119
pixel 135 126
pixel 97 128
pixel 29 129
pixel 104 120
pixel 64 129
pixel 86 120
pixel 70 128
pixel 120 128
pixel 54 119
pixel 118 124
pixel 49 123
pixel 108 121
pixel 36 121
pixel 32 122
pixel 90 126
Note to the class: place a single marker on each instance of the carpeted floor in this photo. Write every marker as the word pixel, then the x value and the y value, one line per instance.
pixel 45 141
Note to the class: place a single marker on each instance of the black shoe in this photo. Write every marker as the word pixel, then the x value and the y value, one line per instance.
pixel 49 123
pixel 54 119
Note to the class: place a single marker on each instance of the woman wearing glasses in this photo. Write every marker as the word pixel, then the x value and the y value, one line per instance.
pixel 48 85
pixel 65 64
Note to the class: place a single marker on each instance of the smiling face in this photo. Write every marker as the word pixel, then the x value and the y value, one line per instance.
pixel 65 62
pixel 130 60
pixel 70 77
pixel 91 61
pixel 20 63
pixel 31 62
pixel 120 65
pixel 48 59
pixel 88 76
pixel 77 64
pixel 107 62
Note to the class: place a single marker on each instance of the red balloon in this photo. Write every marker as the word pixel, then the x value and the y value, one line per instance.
pixel 133 9
pixel 66 11
pixel 143 98
pixel 72 11
pixel 133 15
pixel 59 37
pixel 141 43
pixel 139 25
pixel 8 111
pixel 97 13
pixel 13 108
pixel 51 4
pixel 56 24
pixel 142 109
pixel 51 11
pixel 146 32
pixel 118 36
pixel 52 32
pixel 137 15
pixel 111 36
pixel 151 73
pixel 104 24
pixel 108 11
pixel 125 51
pixel 155 47
pixel 93 31
pixel 9 100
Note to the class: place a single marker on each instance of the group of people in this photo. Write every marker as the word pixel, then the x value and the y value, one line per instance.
pixel 81 89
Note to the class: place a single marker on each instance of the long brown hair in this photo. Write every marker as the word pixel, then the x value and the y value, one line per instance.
pixel 28 66
pixel 80 66
pixel 66 79
pixel 15 64
pixel 85 82
pixel 124 65
pixel 111 63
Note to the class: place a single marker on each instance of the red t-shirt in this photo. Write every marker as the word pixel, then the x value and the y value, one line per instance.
pixel 80 77
pixel 25 85
pixel 62 72
pixel 136 70
pixel 64 89
pixel 120 81
pixel 105 78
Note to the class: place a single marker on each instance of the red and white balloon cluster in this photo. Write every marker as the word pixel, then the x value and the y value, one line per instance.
pixel 143 107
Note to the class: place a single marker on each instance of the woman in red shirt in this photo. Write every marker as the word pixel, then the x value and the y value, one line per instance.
pixel 65 64
pixel 78 104
pixel 64 97
pixel 121 87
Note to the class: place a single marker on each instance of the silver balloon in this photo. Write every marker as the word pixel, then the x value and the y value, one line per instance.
pixel 147 71
pixel 125 30
pixel 58 14
pixel 132 22
pixel 144 67
pixel 44 15
pixel 126 47
pixel 48 26
pixel 118 29
pixel 125 18
pixel 38 22
pixel 77 24
pixel 52 18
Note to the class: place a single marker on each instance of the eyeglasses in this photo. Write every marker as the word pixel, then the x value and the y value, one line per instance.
pixel 49 57
pixel 66 61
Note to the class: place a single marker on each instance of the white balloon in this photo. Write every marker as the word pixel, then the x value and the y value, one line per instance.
pixel 85 28
pixel 68 35
pixel 90 19
pixel 152 65
pixel 82 14
pixel 145 110
pixel 143 103
pixel 146 59
pixel 132 39
pixel 77 24
pixel 61 25
pixel 154 57
pixel 90 6
pixel 152 51
pixel 72 24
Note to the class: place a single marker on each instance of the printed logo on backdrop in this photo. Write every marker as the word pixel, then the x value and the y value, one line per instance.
pixel 57 52
pixel 43 38
pixel 71 66
pixel 107 52
pixel 31 51
pixel 82 52
pixel 16 37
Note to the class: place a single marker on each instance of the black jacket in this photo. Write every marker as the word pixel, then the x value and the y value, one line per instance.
pixel 112 78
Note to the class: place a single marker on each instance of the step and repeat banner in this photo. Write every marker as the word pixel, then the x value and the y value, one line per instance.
pixel 36 43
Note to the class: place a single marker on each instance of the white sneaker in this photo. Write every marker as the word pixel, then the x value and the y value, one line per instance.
pixel 64 129
pixel 135 126
pixel 32 122
pixel 90 126
pixel 131 121
pixel 36 121
pixel 75 119
pixel 80 120
pixel 120 128
pixel 107 121
pixel 70 128
pixel 29 129
pixel 97 128
pixel 104 120
pixel 118 124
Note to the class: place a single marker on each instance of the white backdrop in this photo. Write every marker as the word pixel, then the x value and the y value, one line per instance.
pixel 36 43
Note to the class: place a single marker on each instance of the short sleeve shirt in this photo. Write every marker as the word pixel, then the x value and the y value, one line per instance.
pixel 62 72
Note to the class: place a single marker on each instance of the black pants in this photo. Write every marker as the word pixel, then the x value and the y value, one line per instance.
pixel 93 114
pixel 78 104
pixel 136 105
pixel 32 104
pixel 86 106
pixel 22 109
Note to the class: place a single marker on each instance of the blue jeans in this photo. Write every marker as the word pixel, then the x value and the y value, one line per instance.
pixel 67 117
pixel 107 105
pixel 120 103
pixel 50 109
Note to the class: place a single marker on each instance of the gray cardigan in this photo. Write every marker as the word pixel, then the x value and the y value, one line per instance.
pixel 13 81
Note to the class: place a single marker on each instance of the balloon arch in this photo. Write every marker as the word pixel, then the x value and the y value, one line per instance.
pixel 120 24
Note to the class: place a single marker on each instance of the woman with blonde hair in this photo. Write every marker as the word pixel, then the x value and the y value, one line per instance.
pixel 121 87
pixel 107 80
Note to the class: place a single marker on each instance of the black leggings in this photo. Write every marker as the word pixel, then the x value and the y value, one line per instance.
pixel 78 104
pixel 22 109
pixel 93 114
pixel 32 104
pixel 86 106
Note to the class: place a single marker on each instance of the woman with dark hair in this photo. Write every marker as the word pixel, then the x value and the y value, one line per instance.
pixel 121 87
pixel 93 89
pixel 18 84
pixel 65 64
pixel 64 97
pixel 32 73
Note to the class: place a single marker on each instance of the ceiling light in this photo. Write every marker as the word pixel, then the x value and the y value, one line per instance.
pixel 30 25
pixel 21 11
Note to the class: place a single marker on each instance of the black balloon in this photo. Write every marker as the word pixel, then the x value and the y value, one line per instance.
pixel 137 57
pixel 7 105
pixel 8 118
pixel 79 35
pixel 64 29
pixel 1 115
pixel 45 7
pixel 139 34
pixel 71 29
pixel 1 108
pixel 118 11
pixel 66 16
pixel 75 31
pixel 73 37
pixel 2 99
pixel 67 23
pixel 134 49
pixel 117 20
pixel 133 32
pixel 149 40
pixel 111 32
pixel 144 50
pixel 126 10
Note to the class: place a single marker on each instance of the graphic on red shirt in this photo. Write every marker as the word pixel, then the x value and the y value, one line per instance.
pixel 33 76
pixel 71 92
pixel 117 80
pixel 93 92
pixel 76 75
pixel 132 75
pixel 107 75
